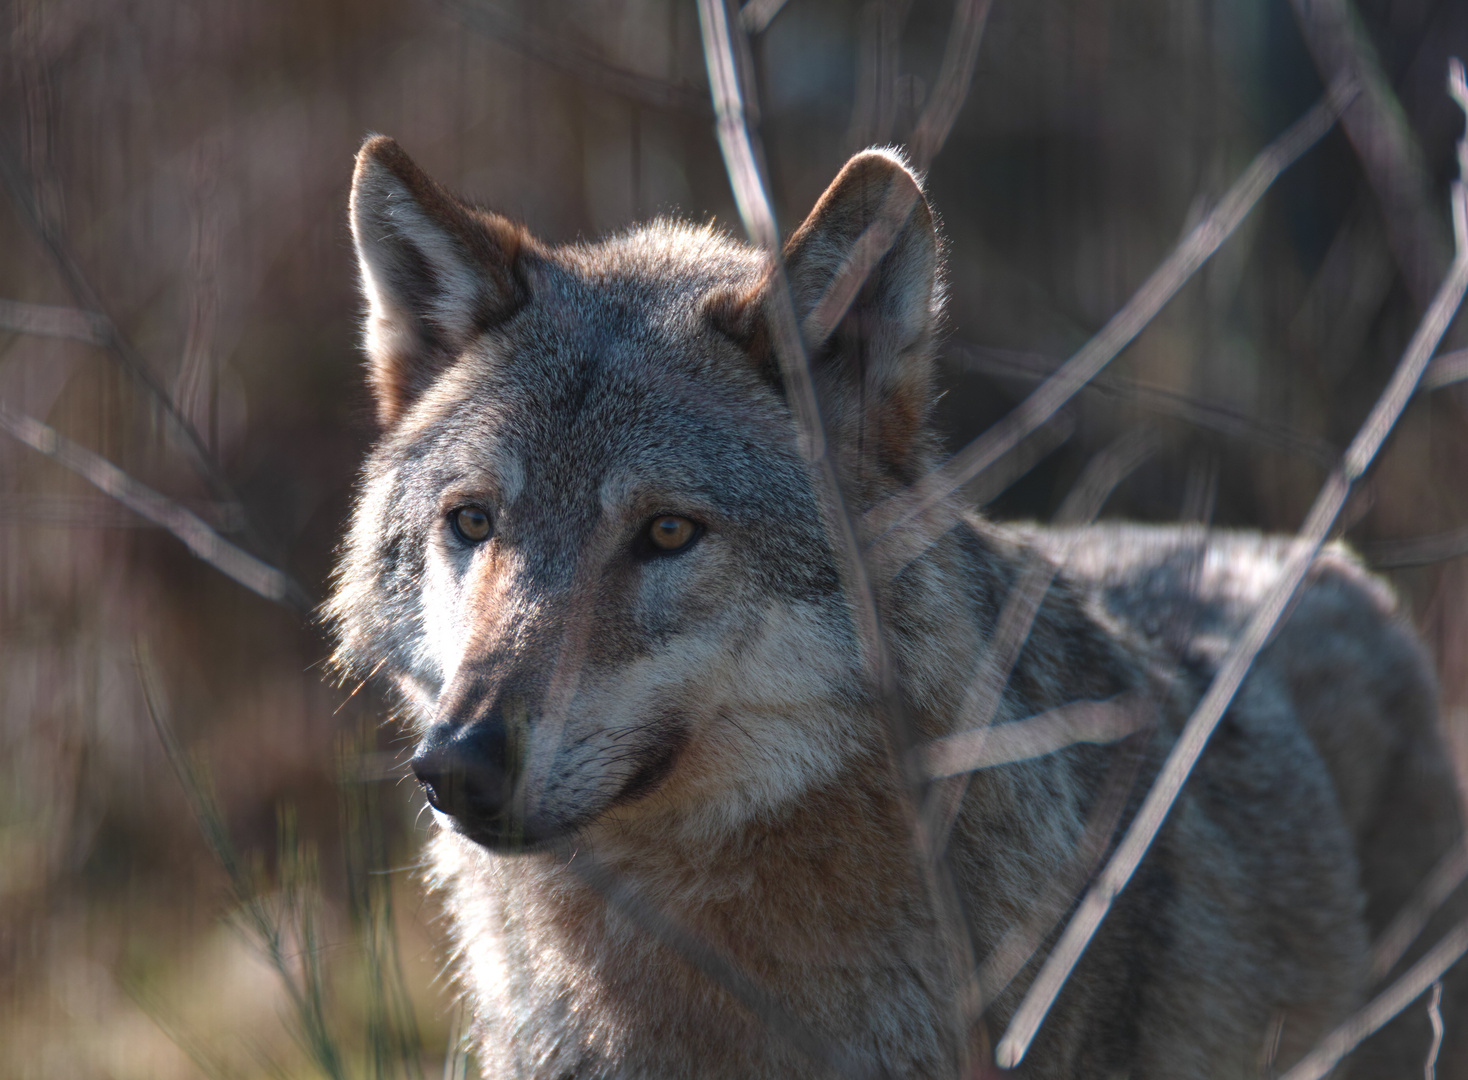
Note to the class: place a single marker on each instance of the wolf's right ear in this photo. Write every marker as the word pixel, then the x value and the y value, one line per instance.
pixel 435 273
pixel 864 277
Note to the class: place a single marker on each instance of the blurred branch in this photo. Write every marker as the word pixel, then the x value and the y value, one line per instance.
pixel 1044 733
pixel 1445 370
pixel 206 544
pixel 1408 923
pixel 724 46
pixel 955 75
pixel 1027 453
pixel 878 55
pixel 1223 419
pixel 1185 753
pixel 921 504
pixel 1418 551
pixel 954 78
pixel 985 691
pixel 19 182
pixel 1422 975
pixel 50 321
pixel 95 512
pixel 1383 140
pixel 757 15
pixel 580 63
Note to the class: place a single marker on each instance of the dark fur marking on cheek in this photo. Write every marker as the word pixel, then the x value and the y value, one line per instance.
pixel 657 764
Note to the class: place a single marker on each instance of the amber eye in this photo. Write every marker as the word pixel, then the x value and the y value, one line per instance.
pixel 471 523
pixel 671 533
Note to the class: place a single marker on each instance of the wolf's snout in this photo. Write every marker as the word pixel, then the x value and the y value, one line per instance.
pixel 465 772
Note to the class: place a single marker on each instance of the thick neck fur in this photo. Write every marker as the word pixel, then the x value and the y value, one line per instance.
pixel 822 902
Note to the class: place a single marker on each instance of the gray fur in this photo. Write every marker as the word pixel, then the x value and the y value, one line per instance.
pixel 700 721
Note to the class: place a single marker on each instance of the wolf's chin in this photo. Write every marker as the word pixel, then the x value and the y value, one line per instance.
pixel 510 838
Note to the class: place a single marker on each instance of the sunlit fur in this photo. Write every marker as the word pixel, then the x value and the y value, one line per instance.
pixel 701 722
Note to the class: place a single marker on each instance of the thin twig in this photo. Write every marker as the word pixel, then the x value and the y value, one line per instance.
pixel 1340 1042
pixel 206 544
pixel 49 320
pixel 1044 733
pixel 1210 415
pixel 757 15
pixel 18 181
pixel 1379 132
pixel 723 43
pixel 921 504
pixel 1441 882
pixel 584 65
pixel 1030 451
pixel 1328 504
pixel 878 55
pixel 1449 368
pixel 1418 551
pixel 985 691
pixel 1435 1018
pixel 268 928
pixel 955 76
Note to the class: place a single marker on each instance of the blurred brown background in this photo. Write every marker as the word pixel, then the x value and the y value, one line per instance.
pixel 188 164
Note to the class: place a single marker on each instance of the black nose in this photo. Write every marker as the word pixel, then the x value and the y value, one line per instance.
pixel 464 771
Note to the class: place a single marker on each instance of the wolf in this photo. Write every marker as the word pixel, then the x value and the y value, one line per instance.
pixel 676 824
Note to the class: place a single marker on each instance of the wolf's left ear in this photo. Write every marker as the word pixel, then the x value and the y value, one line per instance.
pixel 871 352
pixel 435 273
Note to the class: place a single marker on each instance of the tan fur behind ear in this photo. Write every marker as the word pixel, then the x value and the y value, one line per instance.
pixel 435 272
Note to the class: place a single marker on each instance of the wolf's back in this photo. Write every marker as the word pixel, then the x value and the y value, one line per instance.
pixel 1362 687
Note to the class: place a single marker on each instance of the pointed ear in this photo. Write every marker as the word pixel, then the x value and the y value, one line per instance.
pixel 869 337
pixel 873 210
pixel 435 273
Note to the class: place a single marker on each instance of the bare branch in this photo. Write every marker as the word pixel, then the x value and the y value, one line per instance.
pixel 1419 551
pixel 1435 1018
pixel 1213 416
pixel 878 55
pixel 985 690
pixel 22 190
pixel 1382 138
pixel 723 45
pixel 1235 666
pixel 96 512
pixel 50 321
pixel 757 15
pixel 206 544
pixel 1449 368
pixel 956 74
pixel 921 503
pixel 1032 450
pixel 1044 733
pixel 579 63
pixel 759 219
pixel 1404 929
pixel 1340 1042
pixel 954 78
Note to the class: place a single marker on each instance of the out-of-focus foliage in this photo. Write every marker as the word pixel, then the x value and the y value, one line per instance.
pixel 193 160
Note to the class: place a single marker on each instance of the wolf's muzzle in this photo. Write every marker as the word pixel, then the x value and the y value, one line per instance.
pixel 465 772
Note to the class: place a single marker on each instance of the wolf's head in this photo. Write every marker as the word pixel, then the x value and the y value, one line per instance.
pixel 586 549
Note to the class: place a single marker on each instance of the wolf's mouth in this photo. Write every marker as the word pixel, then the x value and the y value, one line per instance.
pixel 507 829
pixel 657 764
